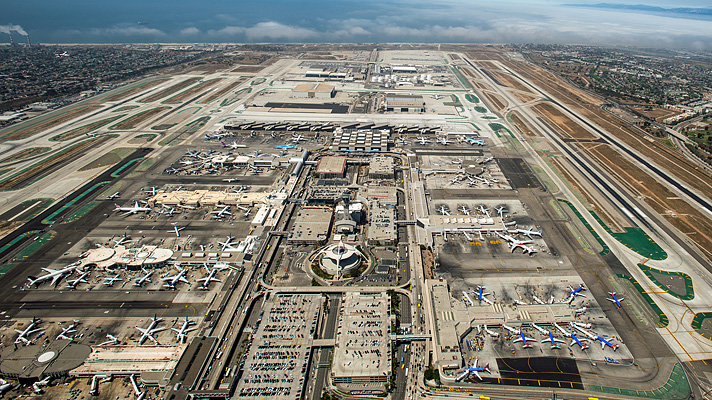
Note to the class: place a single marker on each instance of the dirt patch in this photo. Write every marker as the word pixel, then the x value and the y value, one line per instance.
pixel 188 93
pixel 85 129
pixel 42 123
pixel 131 122
pixel 510 81
pixel 665 202
pixel 519 122
pixel 141 139
pixel 110 158
pixel 495 100
pixel 524 98
pixel 49 165
pixel 656 113
pixel 217 93
pixel 566 125
pixel 169 90
pixel 25 153
pixel 9 226
pixel 132 90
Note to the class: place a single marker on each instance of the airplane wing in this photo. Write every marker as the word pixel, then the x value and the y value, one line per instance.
pixel 50 270
pixel 55 279
pixel 183 279
pixel 517 340
pixel 477 374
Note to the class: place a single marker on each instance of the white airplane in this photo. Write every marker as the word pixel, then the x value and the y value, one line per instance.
pixel 615 300
pixel 24 336
pixel 574 292
pixel 402 141
pixel 234 145
pixel 464 210
pixel 437 96
pixel 72 284
pixel 422 141
pixel 538 300
pixel 209 278
pixel 548 333
pixel 298 138
pixel 185 207
pixel 215 136
pixel 456 179
pixel 123 239
pixel 176 229
pixel 467 297
pixel 91 134
pixel 112 340
pixel 172 281
pixel 111 280
pixel 514 244
pixel 528 232
pixel 146 278
pixel 54 274
pixel 491 332
pixel 474 369
pixel 484 210
pixel 574 339
pixel 501 210
pixel 227 244
pixel 132 210
pixel 169 211
pixel 443 211
pixel 150 191
pixel 219 214
pixel 524 339
pixel 113 196
pixel 147 333
pixel 68 330
pixel 230 180
pixel 256 154
pixel 444 141
pixel 181 334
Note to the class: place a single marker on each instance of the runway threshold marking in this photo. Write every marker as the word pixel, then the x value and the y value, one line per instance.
pixel 24 211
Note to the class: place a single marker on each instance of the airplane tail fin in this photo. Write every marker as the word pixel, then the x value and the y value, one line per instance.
pixel 615 347
pixel 487 368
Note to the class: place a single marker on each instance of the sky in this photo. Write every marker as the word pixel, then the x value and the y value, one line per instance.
pixel 350 21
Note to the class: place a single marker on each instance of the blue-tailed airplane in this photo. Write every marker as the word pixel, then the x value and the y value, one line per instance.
pixel 576 340
pixel 284 146
pixel 574 292
pixel 615 300
pixel 474 369
pixel 522 338
pixel 605 343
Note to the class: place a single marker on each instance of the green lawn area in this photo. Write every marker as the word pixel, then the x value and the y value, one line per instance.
pixel 635 239
pixel 472 98
pixel 701 136
pixel 481 109
pixel 697 324
pixel 497 127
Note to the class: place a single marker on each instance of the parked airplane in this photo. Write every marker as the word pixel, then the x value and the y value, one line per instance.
pixel 172 281
pixel 437 96
pixel 147 333
pixel 443 211
pixel 181 334
pixel 402 141
pixel 24 336
pixel 481 295
pixel 486 160
pixel 215 136
pixel 444 141
pixel 478 142
pixel 72 284
pixel 615 300
pixel 467 297
pixel 422 141
pixel 113 196
pixel 491 332
pixel 176 229
pixel 528 232
pixel 230 180
pixel 464 210
pixel 132 210
pixel 227 244
pixel 146 278
pixel 474 369
pixel 209 278
pixel 284 146
pixel 123 239
pixel 234 145
pixel 574 292
pixel 112 340
pixel 297 138
pixel 514 244
pixel 501 210
pixel 68 330
pixel 522 338
pixel 110 281
pixel 54 274
pixel 219 214
pixel 548 333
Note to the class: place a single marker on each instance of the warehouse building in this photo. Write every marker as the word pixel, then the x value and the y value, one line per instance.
pixel 314 91
pixel 405 103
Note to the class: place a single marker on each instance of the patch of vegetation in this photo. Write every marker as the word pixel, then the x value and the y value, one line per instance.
pixel 112 157
pixel 25 153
